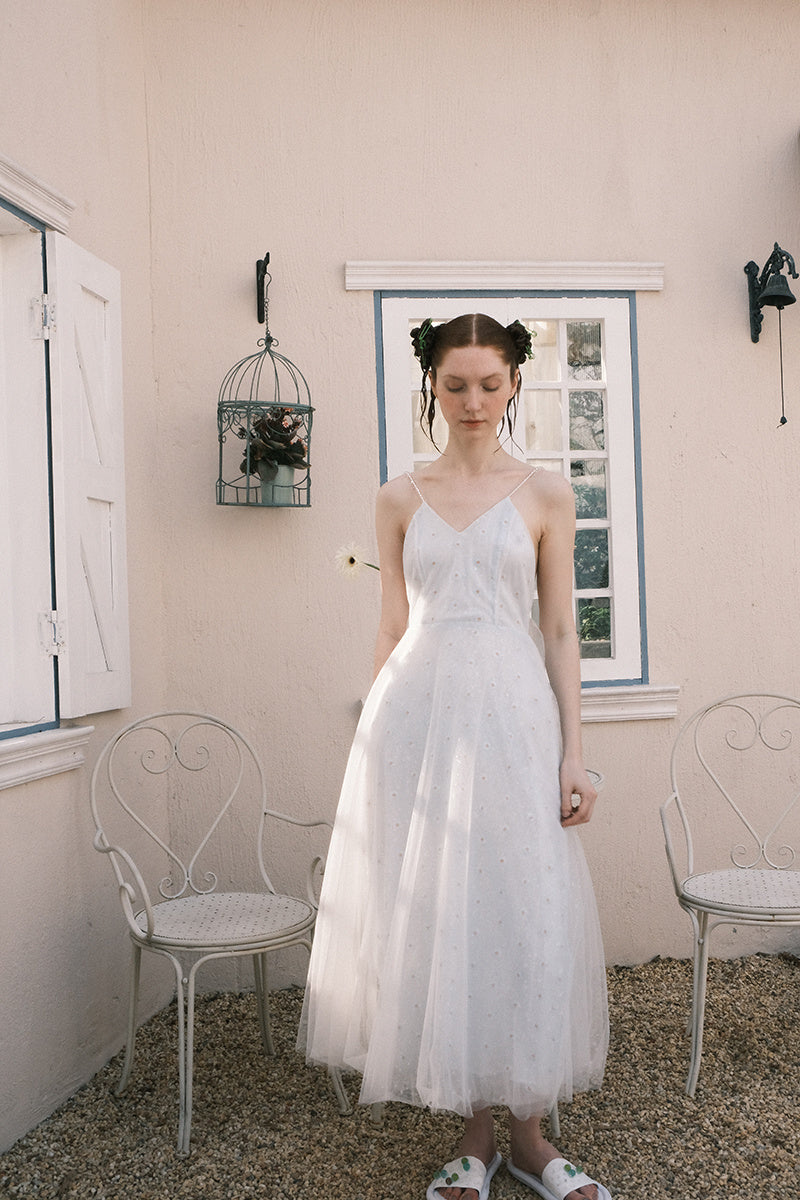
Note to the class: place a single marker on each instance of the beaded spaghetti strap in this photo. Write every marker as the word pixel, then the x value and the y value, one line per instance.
pixel 522 483
pixel 410 479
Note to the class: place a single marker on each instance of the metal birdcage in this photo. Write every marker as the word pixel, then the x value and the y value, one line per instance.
pixel 264 418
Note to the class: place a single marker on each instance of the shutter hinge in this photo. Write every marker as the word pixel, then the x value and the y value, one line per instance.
pixel 52 635
pixel 43 317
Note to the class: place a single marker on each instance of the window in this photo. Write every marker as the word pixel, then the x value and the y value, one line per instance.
pixel 63 611
pixel 577 415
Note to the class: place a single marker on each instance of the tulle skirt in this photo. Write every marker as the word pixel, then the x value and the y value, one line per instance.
pixel 457 959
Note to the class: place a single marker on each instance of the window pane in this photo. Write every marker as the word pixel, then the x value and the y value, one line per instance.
pixel 543 420
pixel 544 367
pixel 586 421
pixel 594 626
pixel 588 478
pixel 591 559
pixel 584 350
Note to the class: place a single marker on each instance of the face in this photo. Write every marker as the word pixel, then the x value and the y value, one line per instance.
pixel 473 385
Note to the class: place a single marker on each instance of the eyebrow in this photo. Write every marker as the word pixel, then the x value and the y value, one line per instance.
pixel 485 378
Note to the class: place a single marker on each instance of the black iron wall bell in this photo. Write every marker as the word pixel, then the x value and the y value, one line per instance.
pixel 770 287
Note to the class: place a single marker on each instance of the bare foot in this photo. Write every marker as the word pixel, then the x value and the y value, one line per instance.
pixel 532 1156
pixel 479 1142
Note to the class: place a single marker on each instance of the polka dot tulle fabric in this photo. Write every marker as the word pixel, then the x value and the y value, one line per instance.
pixel 457 960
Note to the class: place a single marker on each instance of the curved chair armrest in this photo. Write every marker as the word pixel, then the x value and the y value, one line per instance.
pixel 677 878
pixel 128 891
pixel 273 812
pixel 318 861
pixel 315 872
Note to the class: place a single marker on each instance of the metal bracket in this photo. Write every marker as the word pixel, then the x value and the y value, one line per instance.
pixel 52 634
pixel 262 275
pixel 43 318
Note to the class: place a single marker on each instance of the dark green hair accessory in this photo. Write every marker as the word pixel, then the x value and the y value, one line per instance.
pixel 422 340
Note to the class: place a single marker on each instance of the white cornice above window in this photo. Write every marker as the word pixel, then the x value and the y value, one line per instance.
pixel 34 197
pixel 504 276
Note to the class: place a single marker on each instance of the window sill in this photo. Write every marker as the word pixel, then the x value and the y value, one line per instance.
pixel 37 755
pixel 637 702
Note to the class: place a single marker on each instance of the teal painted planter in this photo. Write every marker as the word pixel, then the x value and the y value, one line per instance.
pixel 277 485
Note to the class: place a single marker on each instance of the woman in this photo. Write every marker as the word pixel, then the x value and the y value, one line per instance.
pixel 457 961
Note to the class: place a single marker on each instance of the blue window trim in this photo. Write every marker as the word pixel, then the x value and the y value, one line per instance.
pixel 549 293
pixel 42 726
pixel 15 211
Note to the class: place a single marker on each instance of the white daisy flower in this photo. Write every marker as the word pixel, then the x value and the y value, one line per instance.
pixel 350 559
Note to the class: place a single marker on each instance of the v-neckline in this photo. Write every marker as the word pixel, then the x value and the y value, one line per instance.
pixel 480 516
pixel 466 528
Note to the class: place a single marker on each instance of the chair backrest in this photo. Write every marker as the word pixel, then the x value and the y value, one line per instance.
pixel 735 778
pixel 179 799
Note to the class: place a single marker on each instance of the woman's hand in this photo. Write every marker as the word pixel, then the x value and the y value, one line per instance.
pixel 578 793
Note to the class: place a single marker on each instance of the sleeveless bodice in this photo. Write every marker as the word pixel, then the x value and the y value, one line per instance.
pixel 485 573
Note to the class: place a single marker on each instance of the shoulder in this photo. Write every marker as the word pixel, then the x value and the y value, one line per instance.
pixel 396 503
pixel 552 490
pixel 397 494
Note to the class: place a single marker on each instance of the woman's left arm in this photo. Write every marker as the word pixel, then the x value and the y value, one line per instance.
pixel 562 655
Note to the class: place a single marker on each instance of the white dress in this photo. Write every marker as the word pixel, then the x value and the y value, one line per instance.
pixel 457 960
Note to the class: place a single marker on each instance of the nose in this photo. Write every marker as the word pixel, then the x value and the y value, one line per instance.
pixel 473 400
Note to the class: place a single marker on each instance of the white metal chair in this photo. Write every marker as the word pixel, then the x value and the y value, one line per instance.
pixel 185 794
pixel 735 780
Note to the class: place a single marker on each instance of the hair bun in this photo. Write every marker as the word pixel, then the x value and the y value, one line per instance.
pixel 522 338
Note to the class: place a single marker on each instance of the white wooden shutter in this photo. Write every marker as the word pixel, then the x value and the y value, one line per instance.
pixel 88 479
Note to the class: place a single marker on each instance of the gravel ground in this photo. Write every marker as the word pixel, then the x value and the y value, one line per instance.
pixel 269 1128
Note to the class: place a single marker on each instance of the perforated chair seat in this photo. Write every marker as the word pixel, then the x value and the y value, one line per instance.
pixel 738 890
pixel 229 919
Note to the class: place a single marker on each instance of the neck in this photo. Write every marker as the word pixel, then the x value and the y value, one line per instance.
pixel 475 459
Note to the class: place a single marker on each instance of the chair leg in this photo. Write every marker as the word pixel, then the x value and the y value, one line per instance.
pixel 262 1001
pixel 185 1006
pixel 699 976
pixel 130 1043
pixel 344 1105
pixel 555 1123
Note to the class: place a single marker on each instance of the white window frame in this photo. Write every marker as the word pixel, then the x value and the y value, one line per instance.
pixel 614 689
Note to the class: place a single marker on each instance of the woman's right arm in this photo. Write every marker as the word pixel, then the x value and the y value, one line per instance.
pixel 390 521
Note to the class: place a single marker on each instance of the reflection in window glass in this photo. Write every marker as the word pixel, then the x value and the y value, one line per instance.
pixel 543 420
pixel 584 350
pixel 586 421
pixel 591 559
pixel 594 626
pixel 588 478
